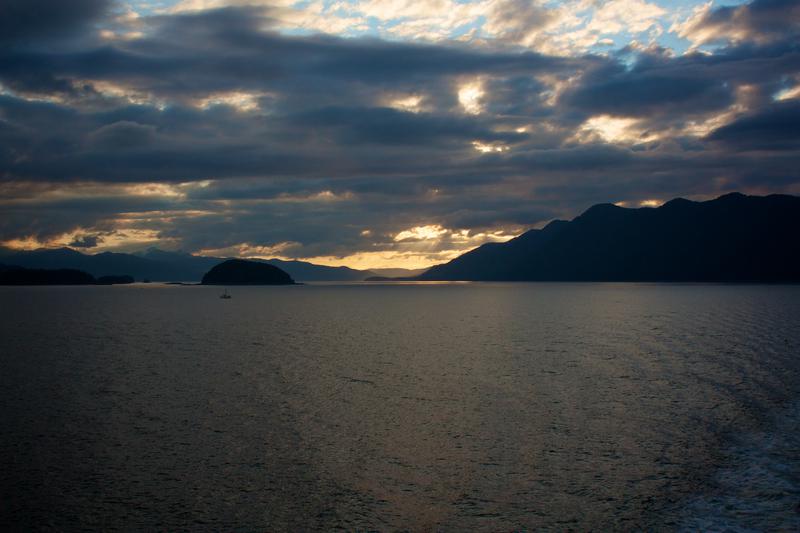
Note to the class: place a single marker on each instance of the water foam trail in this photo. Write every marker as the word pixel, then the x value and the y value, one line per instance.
pixel 758 486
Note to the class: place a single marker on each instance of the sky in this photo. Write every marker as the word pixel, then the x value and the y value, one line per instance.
pixel 380 133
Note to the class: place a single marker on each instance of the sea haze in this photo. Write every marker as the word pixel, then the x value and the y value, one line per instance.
pixel 454 407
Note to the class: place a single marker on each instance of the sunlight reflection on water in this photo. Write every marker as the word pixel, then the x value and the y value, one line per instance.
pixel 477 407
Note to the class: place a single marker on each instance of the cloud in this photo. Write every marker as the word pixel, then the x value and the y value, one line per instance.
pixel 212 129
pixel 775 127
pixel 645 91
pixel 85 241
pixel 24 21
pixel 760 21
pixel 122 134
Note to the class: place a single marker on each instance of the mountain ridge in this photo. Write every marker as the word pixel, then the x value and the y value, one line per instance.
pixel 161 265
pixel 731 238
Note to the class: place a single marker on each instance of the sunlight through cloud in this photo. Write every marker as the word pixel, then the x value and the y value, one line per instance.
pixel 470 95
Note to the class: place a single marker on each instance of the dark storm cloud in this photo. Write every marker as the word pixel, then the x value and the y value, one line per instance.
pixel 27 20
pixel 776 127
pixel 695 83
pixel 123 134
pixel 86 241
pixel 226 49
pixel 317 155
pixel 390 126
pixel 641 92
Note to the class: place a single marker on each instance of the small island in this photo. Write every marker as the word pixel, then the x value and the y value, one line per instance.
pixel 241 272
pixel 115 280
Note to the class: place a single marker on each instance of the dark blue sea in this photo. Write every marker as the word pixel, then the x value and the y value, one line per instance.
pixel 412 407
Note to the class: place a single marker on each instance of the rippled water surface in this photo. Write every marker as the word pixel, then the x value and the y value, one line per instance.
pixel 481 407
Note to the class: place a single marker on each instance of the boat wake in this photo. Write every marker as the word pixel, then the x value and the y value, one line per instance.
pixel 758 488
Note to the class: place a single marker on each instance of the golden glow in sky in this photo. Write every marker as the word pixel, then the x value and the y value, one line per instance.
pixel 381 133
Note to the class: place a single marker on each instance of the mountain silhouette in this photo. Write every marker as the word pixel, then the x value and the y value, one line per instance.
pixel 98 265
pixel 241 272
pixel 303 271
pixel 160 265
pixel 12 275
pixel 732 238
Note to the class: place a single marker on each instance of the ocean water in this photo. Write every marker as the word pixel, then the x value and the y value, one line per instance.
pixel 428 407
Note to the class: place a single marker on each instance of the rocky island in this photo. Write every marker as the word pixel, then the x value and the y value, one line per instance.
pixel 242 272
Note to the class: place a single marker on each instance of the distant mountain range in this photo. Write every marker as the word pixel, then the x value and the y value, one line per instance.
pixel 732 238
pixel 31 276
pixel 159 265
pixel 15 275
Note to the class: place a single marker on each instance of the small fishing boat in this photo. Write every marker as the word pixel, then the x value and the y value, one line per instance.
pixel 225 295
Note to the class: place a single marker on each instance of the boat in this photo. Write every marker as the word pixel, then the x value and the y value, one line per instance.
pixel 225 295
